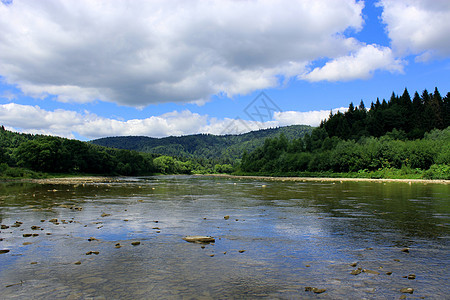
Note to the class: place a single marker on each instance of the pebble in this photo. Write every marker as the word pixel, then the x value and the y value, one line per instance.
pixel 4 227
pixel 92 252
pixel 406 250
pixel 77 263
pixel 356 272
pixel 411 276
pixel 226 217
pixel 241 251
pixel 105 215
pixel 118 245
pixel 315 290
pixel 371 272
pixel 199 239
pixel 4 251
pixel 407 290
pixel 135 243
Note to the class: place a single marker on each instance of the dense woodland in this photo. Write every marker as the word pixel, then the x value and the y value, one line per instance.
pixel 402 137
pixel 393 138
pixel 204 148
pixel 24 155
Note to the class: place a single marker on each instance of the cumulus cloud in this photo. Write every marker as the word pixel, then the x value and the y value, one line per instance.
pixel 418 27
pixel 359 65
pixel 65 123
pixel 142 52
pixel 312 118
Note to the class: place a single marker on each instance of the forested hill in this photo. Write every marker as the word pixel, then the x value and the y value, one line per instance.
pixel 395 138
pixel 224 148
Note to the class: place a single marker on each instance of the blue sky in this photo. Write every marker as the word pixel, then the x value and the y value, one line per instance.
pixel 84 69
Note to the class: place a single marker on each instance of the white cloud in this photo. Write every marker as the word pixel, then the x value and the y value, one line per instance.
pixel 65 123
pixel 359 65
pixel 312 118
pixel 141 52
pixel 418 27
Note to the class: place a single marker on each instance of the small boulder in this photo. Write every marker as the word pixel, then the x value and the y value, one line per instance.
pixel 356 272
pixel 407 290
pixel 371 272
pixel 199 239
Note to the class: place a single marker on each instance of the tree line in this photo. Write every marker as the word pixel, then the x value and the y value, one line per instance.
pixel 28 155
pixel 393 138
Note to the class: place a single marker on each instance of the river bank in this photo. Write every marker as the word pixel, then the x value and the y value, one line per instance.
pixel 330 179
pixel 105 179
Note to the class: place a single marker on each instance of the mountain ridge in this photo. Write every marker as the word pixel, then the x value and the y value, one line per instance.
pixel 208 146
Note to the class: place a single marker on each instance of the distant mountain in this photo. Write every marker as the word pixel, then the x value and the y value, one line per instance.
pixel 220 148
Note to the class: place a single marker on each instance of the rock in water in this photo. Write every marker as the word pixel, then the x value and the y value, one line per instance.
pixel 356 272
pixel 407 290
pixel 371 272
pixel 199 239
pixel 319 291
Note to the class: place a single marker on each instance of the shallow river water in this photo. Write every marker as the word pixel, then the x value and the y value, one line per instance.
pixel 280 238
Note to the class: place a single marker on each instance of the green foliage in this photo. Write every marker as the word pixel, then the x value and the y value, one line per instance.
pixel 401 117
pixel 38 153
pixel 343 145
pixel 204 148
pixel 437 171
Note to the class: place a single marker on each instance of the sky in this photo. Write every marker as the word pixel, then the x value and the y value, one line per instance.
pixel 88 69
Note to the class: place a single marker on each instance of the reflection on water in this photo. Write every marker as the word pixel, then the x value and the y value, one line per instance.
pixel 280 238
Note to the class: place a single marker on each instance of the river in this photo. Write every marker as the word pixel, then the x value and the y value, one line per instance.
pixel 277 240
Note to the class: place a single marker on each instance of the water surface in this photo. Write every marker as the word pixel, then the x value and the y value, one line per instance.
pixel 280 237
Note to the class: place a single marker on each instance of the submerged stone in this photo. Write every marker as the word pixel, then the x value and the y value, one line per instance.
pixel 407 290
pixel 199 239
pixel 356 272
pixel 371 272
